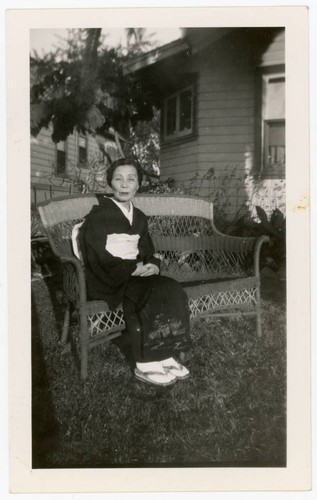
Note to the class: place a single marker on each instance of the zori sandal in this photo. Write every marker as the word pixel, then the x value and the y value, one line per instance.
pixel 163 378
pixel 175 368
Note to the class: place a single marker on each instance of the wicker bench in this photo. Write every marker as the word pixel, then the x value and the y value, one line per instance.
pixel 220 273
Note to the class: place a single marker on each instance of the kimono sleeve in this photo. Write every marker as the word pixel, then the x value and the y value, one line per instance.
pixel 113 271
pixel 146 247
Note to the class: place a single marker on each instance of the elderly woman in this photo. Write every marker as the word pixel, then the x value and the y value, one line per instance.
pixel 118 254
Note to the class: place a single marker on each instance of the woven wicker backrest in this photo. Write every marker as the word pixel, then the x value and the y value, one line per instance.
pixel 69 208
pixel 185 238
pixel 59 215
pixel 182 229
pixel 174 220
pixel 174 205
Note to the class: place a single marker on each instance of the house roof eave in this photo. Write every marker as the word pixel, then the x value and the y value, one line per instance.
pixel 193 41
pixel 156 55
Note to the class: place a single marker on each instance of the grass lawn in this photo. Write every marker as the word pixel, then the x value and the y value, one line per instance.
pixel 230 412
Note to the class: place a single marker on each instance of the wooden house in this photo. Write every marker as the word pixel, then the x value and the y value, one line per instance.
pixel 221 92
pixel 76 164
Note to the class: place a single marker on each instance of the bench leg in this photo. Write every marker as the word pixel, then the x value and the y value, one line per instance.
pixel 84 362
pixel 66 324
pixel 83 345
pixel 258 324
pixel 258 313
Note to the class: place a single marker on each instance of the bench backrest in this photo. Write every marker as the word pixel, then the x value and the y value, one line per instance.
pixel 181 228
pixel 75 207
pixel 64 209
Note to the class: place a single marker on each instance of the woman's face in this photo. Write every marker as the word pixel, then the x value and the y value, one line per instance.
pixel 125 183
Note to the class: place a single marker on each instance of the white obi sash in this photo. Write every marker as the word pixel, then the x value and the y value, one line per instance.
pixel 123 245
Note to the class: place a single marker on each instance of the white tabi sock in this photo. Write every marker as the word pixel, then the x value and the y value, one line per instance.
pixel 153 366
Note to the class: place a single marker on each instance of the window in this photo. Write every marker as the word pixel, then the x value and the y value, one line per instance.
pixel 82 151
pixel 179 114
pixel 112 152
pixel 273 126
pixel 60 157
pixel 274 143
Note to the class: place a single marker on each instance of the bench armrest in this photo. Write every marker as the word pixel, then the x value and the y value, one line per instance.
pixel 241 244
pixel 80 273
pixel 258 245
pixel 237 244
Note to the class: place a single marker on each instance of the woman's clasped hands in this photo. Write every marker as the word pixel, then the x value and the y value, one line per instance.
pixel 144 270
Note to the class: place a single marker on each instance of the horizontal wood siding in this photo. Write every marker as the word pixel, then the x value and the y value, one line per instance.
pixel 225 127
pixel 231 127
pixel 43 158
pixel 213 105
pixel 230 86
pixel 222 155
pixel 43 153
pixel 275 52
pixel 220 96
pixel 179 160
pixel 224 112
pixel 224 139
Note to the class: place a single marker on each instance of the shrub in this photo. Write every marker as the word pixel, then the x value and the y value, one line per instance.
pixel 274 226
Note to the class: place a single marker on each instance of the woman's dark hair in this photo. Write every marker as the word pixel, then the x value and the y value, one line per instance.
pixel 119 163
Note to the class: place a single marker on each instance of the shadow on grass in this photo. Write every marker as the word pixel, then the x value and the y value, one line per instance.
pixel 45 431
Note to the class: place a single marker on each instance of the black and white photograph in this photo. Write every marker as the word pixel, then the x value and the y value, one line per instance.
pixel 158 224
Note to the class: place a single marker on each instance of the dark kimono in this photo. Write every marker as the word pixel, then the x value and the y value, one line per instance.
pixel 155 308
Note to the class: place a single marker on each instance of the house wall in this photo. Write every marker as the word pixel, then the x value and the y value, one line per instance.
pixel 179 161
pixel 43 156
pixel 269 193
pixel 275 50
pixel 223 153
pixel 45 183
pixel 225 126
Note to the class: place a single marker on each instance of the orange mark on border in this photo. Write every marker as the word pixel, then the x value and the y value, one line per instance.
pixel 302 204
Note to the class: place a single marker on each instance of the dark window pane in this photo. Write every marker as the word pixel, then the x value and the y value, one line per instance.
pixel 277 134
pixel 171 116
pixel 185 122
pixel 82 151
pixel 275 143
pixel 82 156
pixel 61 162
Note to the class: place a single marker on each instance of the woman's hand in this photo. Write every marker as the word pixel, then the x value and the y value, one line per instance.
pixel 145 269
pixel 149 270
pixel 139 269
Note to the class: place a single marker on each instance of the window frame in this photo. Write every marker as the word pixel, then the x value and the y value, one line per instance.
pixel 64 173
pixel 262 124
pixel 179 135
pixel 266 145
pixel 79 163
